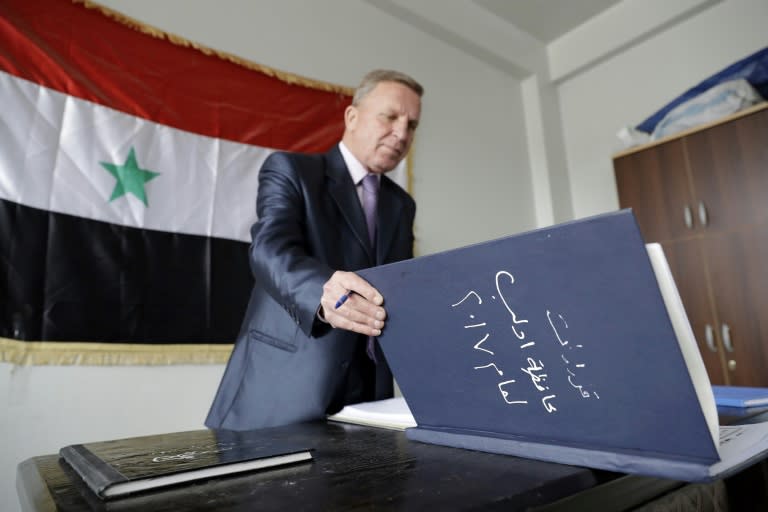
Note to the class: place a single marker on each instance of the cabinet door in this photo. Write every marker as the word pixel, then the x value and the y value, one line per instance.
pixel 686 260
pixel 739 280
pixel 729 170
pixel 655 184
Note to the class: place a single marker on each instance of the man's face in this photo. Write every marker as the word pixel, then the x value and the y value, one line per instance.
pixel 380 129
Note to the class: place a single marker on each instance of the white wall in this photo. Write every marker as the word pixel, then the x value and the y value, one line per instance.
pixel 635 83
pixel 471 183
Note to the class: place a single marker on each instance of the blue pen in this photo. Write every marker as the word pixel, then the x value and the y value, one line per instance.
pixel 341 300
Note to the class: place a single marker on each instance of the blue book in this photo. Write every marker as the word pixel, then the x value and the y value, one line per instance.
pixel 567 344
pixel 740 396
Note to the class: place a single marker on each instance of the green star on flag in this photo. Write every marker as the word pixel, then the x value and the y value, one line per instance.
pixel 130 178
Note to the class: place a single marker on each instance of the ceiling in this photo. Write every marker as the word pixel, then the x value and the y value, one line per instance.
pixel 545 20
pixel 511 35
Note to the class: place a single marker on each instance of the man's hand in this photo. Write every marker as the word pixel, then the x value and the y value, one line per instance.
pixel 362 312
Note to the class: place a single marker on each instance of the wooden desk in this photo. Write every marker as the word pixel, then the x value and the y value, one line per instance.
pixel 362 468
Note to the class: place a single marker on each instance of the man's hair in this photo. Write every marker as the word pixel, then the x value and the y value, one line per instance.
pixel 375 77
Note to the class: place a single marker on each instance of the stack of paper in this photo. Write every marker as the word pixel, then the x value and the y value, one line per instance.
pixel 392 413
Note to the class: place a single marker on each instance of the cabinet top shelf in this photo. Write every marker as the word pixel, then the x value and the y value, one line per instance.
pixel 747 111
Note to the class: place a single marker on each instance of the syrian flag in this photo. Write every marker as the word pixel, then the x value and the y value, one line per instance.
pixel 129 162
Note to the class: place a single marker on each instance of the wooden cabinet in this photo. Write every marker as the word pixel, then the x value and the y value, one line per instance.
pixel 704 196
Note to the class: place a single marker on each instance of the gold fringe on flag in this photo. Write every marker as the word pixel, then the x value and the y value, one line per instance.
pixel 110 354
pixel 289 78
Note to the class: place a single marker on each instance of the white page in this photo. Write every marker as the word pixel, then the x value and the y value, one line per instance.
pixel 685 338
pixel 738 446
pixel 391 413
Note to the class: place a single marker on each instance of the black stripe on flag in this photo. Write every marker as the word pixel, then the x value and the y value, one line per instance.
pixel 66 278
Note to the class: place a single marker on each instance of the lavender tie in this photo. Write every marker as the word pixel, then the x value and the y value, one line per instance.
pixel 370 200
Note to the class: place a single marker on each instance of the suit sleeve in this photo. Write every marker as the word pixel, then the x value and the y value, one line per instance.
pixel 279 259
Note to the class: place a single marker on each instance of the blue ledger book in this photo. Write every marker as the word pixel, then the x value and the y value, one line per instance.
pixel 740 396
pixel 567 344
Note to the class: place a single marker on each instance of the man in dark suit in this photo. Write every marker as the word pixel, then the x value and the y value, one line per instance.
pixel 302 352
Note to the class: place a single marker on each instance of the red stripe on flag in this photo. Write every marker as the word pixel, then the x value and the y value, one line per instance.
pixel 82 52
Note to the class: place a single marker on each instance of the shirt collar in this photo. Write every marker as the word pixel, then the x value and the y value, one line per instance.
pixel 356 170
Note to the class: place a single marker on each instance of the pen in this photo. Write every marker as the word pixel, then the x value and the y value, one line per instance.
pixel 341 300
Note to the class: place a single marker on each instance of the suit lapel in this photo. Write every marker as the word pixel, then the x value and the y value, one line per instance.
pixel 343 192
pixel 389 207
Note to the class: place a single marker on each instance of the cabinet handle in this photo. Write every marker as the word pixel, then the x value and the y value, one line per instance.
pixel 726 333
pixel 709 335
pixel 703 218
pixel 688 216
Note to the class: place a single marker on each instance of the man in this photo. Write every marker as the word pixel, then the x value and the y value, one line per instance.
pixel 307 345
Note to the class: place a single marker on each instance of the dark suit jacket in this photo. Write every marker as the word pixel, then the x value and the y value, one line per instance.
pixel 286 365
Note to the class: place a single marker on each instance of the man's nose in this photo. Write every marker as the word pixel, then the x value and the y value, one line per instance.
pixel 400 128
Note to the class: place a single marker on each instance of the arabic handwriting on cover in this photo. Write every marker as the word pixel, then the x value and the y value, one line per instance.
pixel 516 383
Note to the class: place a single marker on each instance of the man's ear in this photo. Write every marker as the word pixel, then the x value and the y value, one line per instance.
pixel 350 117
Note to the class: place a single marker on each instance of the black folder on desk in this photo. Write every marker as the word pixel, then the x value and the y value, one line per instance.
pixel 125 466
pixel 566 344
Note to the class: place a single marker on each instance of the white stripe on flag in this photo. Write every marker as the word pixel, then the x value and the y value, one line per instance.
pixel 52 147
